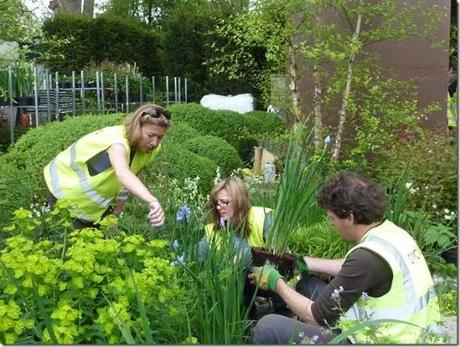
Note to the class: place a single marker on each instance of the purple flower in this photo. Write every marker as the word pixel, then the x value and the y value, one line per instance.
pixel 183 213
pixel 175 244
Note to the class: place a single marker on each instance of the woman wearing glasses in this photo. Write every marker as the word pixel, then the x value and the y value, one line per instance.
pixel 105 163
pixel 229 204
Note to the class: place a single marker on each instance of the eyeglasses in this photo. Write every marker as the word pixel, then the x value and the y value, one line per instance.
pixel 223 203
pixel 157 113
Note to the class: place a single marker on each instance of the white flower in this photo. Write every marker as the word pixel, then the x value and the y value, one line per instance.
pixel 446 211
pixel 336 293
pixel 327 140
pixel 408 185
pixel 314 339
pixel 413 190
pixel 434 206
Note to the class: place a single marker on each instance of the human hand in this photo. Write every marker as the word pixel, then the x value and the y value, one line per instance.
pixel 301 265
pixel 156 214
pixel 265 277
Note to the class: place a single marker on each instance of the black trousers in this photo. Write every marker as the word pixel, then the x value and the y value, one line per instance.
pixel 275 329
pixel 278 303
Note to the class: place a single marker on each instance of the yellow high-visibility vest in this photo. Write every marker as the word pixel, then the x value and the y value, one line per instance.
pixel 412 297
pixel 256 220
pixel 73 174
pixel 452 110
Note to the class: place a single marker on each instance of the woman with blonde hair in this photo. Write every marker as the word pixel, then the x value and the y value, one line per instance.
pixel 230 209
pixel 104 164
pixel 229 203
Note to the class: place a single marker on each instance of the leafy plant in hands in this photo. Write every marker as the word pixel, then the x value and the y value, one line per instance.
pixel 296 195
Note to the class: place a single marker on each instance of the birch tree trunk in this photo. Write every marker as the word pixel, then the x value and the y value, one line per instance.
pixel 318 118
pixel 293 88
pixel 346 94
pixel 65 6
pixel 88 8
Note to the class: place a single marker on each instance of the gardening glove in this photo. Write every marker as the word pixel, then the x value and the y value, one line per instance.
pixel 265 276
pixel 301 265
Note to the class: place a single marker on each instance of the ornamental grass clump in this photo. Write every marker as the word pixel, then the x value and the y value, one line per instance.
pixel 296 204
pixel 218 314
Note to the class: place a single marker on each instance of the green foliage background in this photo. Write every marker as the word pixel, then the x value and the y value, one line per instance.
pixel 119 40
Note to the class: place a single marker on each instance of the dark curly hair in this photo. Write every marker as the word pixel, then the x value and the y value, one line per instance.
pixel 350 193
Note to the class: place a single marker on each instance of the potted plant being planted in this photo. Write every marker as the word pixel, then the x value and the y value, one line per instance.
pixel 295 204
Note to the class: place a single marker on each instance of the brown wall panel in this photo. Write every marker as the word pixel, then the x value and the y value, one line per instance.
pixel 413 58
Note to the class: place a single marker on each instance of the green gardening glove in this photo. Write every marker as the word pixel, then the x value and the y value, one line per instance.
pixel 265 276
pixel 301 265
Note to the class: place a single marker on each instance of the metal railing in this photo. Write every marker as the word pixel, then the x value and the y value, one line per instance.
pixel 55 95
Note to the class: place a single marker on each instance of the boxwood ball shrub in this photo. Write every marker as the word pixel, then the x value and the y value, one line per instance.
pixel 216 149
pixel 177 162
pixel 242 131
pixel 180 131
pixel 14 189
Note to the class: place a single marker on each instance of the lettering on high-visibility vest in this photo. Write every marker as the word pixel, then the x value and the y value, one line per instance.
pixel 414 256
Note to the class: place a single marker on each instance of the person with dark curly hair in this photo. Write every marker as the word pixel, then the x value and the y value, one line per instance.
pixel 383 277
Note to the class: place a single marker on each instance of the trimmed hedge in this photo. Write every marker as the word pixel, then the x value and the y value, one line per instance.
pixel 242 131
pixel 177 162
pixel 216 149
pixel 180 132
pixel 117 39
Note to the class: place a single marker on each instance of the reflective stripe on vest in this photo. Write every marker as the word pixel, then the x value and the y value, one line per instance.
pixel 84 184
pixel 57 191
pixel 67 177
pixel 452 110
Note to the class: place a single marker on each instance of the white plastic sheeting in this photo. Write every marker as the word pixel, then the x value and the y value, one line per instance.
pixel 240 103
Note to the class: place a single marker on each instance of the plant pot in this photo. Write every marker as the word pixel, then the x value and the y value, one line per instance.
pixel 25 119
pixel 284 263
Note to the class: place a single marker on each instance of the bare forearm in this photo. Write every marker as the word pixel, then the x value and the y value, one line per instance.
pixel 135 186
pixel 326 266
pixel 297 303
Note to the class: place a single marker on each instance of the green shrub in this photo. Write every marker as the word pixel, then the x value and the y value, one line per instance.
pixel 88 288
pixel 14 189
pixel 119 40
pixel 448 303
pixel 180 131
pixel 432 174
pixel 177 162
pixel 319 240
pixel 242 131
pixel 216 149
